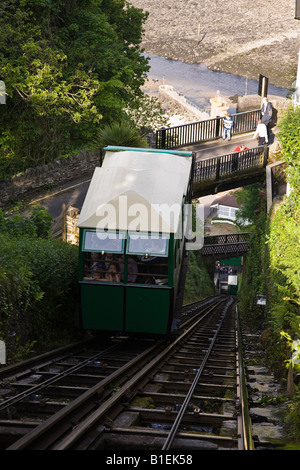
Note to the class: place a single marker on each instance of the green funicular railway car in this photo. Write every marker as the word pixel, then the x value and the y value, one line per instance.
pixel 132 241
pixel 232 284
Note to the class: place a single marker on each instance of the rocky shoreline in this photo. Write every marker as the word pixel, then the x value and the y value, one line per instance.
pixel 243 38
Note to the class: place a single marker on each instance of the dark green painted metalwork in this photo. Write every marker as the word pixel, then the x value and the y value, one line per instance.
pixel 102 306
pixel 171 261
pixel 232 290
pixel 80 256
pixel 147 309
pixel 127 307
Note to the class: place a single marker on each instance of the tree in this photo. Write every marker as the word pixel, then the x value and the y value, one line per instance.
pixel 67 66
pixel 146 112
pixel 289 137
pixel 122 134
pixel 248 200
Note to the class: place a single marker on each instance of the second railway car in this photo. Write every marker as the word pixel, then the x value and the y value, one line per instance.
pixel 132 241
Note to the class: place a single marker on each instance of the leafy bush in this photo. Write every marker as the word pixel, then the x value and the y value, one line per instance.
pixel 248 199
pixel 198 282
pixel 284 245
pixel 122 134
pixel 253 280
pixel 284 239
pixel 38 285
pixel 37 224
pixel 289 137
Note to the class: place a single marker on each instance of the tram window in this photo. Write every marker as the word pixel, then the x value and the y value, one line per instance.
pixel 103 241
pixel 150 257
pixel 103 255
pixel 145 244
pixel 103 267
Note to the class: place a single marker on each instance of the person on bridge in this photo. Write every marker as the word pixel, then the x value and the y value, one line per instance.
pixel 261 132
pixel 241 148
pixel 227 126
pixel 235 158
pixel 266 112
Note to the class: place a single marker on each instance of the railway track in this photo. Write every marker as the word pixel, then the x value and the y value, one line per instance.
pixel 183 393
pixel 47 386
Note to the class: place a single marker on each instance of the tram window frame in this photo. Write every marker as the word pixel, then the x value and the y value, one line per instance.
pixel 121 237
pixel 89 247
pixel 148 236
pixel 151 264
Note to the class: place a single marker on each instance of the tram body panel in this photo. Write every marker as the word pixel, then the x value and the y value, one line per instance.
pixel 148 310
pixel 103 307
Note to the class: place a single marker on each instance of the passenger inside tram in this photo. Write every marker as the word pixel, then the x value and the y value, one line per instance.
pixel 147 259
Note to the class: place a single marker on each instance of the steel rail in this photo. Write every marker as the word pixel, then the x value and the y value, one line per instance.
pixel 36 360
pixel 172 433
pixel 26 393
pixel 85 426
pixel 41 430
pixel 84 404
pixel 196 308
pixel 245 425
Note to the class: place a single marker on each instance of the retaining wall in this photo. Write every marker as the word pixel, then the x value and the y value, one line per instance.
pixel 47 176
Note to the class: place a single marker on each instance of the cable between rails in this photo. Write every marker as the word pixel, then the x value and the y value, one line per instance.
pixel 168 442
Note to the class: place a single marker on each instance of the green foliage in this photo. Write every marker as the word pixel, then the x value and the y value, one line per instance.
pixel 37 224
pixel 42 221
pixel 284 237
pixel 289 137
pixel 146 112
pixel 294 345
pixel 198 282
pixel 284 263
pixel 253 280
pixel 67 66
pixel 38 285
pixel 293 421
pixel 248 199
pixel 122 134
pixel 284 245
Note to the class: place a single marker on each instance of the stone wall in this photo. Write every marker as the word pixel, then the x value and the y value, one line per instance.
pixel 43 177
pixel 251 102
pixel 180 105
pixel 72 231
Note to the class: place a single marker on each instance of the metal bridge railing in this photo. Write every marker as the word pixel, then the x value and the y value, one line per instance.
pixel 213 169
pixel 229 249
pixel 226 238
pixel 202 131
pixel 228 244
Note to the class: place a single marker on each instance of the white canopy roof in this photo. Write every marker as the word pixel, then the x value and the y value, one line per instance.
pixel 137 190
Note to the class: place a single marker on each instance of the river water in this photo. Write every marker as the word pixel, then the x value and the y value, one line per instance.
pixel 198 84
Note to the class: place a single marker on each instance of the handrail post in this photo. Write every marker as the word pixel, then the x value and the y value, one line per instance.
pixel 218 169
pixel 156 138
pixel 266 155
pixel 163 138
pixel 218 124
